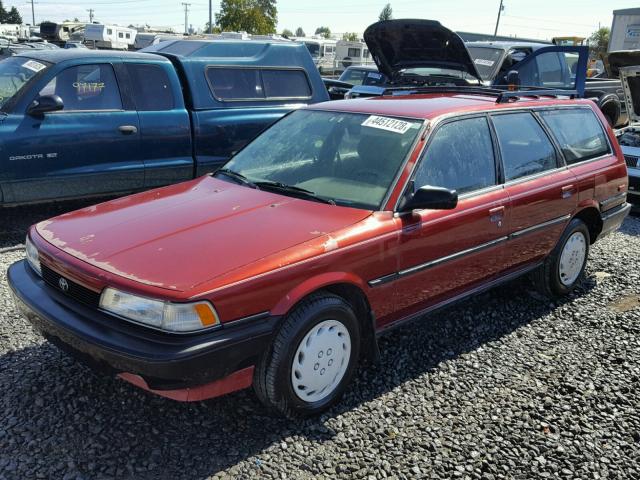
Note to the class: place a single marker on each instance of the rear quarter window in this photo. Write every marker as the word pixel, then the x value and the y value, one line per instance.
pixel 237 84
pixel 151 87
pixel 578 132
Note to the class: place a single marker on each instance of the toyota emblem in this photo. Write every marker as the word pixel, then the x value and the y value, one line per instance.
pixel 63 284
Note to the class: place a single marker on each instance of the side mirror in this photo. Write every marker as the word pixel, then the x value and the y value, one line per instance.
pixel 433 198
pixel 513 80
pixel 45 104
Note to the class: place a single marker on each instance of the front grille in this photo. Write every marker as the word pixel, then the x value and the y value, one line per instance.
pixel 631 161
pixel 74 290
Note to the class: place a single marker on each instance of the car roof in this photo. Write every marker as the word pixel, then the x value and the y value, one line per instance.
pixel 433 105
pixel 63 54
pixel 506 45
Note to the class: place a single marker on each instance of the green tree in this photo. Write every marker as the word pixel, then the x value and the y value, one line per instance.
pixel 599 41
pixel 350 37
pixel 251 16
pixel 325 32
pixel 386 13
pixel 300 32
pixel 13 16
pixel 286 33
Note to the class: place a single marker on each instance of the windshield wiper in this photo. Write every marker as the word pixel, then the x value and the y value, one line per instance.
pixel 236 176
pixel 283 187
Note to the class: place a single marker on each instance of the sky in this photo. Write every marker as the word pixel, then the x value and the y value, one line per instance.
pixel 542 19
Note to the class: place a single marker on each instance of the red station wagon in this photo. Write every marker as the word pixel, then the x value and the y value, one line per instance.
pixel 340 221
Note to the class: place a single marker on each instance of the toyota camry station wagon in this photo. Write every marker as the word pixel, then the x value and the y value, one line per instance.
pixel 340 221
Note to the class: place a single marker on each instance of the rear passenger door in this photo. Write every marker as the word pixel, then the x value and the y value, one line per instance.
pixel 445 252
pixel 542 190
pixel 165 128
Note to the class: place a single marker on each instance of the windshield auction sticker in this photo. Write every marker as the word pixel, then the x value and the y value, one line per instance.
pixel 482 61
pixel 34 66
pixel 386 123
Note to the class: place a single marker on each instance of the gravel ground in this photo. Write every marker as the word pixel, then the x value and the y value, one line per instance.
pixel 506 385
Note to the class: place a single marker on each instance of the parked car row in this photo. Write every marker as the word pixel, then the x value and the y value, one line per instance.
pixel 340 221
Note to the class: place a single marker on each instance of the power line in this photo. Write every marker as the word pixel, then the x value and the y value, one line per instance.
pixel 91 10
pixel 495 33
pixel 186 17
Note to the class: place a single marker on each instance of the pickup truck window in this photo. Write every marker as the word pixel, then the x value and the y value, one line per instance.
pixel 460 157
pixel 151 87
pixel 229 83
pixel 578 132
pixel 348 158
pixel 86 87
pixel 15 73
pixel 526 149
pixel 547 70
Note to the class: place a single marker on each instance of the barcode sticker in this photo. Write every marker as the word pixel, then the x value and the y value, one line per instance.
pixel 386 123
pixel 34 66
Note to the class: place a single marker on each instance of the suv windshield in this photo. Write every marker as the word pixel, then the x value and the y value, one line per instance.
pixel 15 73
pixel 347 158
pixel 486 60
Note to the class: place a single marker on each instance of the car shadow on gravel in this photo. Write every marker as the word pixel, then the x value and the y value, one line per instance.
pixel 62 419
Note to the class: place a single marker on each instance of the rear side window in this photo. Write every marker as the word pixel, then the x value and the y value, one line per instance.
pixel 526 149
pixel 578 132
pixel 151 87
pixel 86 87
pixel 460 157
pixel 257 84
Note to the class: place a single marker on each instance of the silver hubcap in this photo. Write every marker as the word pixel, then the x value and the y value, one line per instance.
pixel 321 361
pixel 572 258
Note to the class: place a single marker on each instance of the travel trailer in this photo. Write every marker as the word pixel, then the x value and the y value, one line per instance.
pixel 109 37
pixel 59 33
pixel 352 53
pixel 323 52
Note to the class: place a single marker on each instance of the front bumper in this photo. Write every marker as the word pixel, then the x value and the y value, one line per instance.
pixel 164 361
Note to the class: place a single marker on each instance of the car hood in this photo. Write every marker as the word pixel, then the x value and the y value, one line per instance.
pixel 399 44
pixel 622 58
pixel 180 236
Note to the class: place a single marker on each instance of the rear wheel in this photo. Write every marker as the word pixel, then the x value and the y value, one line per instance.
pixel 312 359
pixel 563 269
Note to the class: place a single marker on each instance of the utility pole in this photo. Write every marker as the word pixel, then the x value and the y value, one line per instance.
pixel 495 33
pixel 210 18
pixel 91 10
pixel 33 15
pixel 186 17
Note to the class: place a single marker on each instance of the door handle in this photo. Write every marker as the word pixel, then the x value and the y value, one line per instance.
pixel 127 129
pixel 567 191
pixel 496 214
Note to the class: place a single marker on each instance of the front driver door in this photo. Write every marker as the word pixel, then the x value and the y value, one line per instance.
pixel 443 253
pixel 90 147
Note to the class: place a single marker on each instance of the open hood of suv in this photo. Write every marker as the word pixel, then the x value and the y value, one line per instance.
pixel 626 65
pixel 399 44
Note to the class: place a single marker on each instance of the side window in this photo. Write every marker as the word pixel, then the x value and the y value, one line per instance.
pixel 120 35
pixel 545 70
pixel 254 83
pixel 86 87
pixel 525 148
pixel 109 31
pixel 578 132
pixel 460 157
pixel 151 87
pixel 353 52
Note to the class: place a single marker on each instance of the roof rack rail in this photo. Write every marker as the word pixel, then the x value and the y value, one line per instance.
pixel 504 97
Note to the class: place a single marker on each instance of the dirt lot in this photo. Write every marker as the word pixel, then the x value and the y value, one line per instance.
pixel 506 385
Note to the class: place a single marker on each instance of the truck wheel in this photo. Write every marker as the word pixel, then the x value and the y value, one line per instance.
pixel 312 358
pixel 563 269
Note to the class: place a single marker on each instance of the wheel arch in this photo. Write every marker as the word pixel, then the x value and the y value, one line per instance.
pixel 347 286
pixel 590 215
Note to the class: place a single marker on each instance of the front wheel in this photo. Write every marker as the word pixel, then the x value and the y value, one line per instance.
pixel 563 269
pixel 312 359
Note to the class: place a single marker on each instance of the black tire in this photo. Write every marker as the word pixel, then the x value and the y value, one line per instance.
pixel 272 379
pixel 547 277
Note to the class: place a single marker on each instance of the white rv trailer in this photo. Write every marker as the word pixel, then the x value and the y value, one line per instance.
pixel 14 32
pixel 109 37
pixel 322 50
pixel 350 53
pixel 625 30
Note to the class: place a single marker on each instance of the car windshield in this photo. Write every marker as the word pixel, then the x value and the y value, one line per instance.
pixel 486 60
pixel 349 159
pixel 15 73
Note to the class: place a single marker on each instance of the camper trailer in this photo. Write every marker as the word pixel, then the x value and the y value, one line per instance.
pixel 59 33
pixel 110 37
pixel 323 51
pixel 350 53
pixel 14 32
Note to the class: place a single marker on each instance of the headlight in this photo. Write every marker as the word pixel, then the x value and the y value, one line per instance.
pixel 32 255
pixel 175 317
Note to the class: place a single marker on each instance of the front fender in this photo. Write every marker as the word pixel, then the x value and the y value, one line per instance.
pixel 314 284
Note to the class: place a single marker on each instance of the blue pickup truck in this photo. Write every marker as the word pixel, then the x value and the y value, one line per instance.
pixel 77 123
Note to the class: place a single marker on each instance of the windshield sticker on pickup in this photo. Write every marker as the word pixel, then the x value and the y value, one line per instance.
pixel 482 61
pixel 386 123
pixel 34 66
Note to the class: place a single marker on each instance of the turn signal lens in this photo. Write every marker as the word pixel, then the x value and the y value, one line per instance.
pixel 32 255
